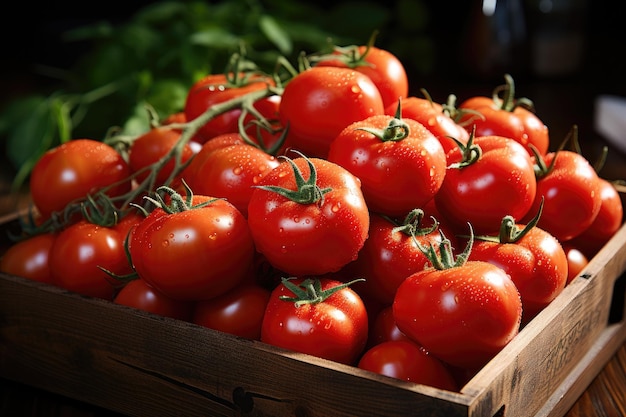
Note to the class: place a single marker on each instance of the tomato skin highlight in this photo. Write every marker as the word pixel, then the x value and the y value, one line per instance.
pixel 309 239
pixel 320 102
pixel 195 254
pixel 334 329
pixel 406 360
pixel 29 258
pixel 463 315
pixel 140 295
pixel 396 176
pixel 75 169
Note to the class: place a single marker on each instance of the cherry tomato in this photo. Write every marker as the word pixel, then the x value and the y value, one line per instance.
pixel 318 103
pixel 380 65
pixel 572 194
pixel 239 311
pixel 505 116
pixel 308 216
pixel 151 147
pixel 463 312
pixel 79 255
pixel 576 261
pixel 142 296
pixel 320 317
pixel 406 360
pixel 230 172
pixel 400 163
pixel 28 258
pixel 75 169
pixel 433 117
pixel 484 185
pixel 215 89
pixel 605 225
pixel 192 251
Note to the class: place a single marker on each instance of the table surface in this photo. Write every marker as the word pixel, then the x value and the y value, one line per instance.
pixel 605 396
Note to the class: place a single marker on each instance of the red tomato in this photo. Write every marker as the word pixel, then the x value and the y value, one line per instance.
pixel 28 258
pixel 433 117
pixel 576 261
pixel 312 226
pixel 606 224
pixel 390 254
pixel 463 313
pixel 400 163
pixel 384 328
pixel 572 194
pixel 482 187
pixel 239 311
pixel 79 254
pixel 406 360
pixel 533 258
pixel 142 296
pixel 151 147
pixel 75 169
pixel 195 253
pixel 215 89
pixel 322 317
pixel 380 65
pixel 230 172
pixel 504 116
pixel 318 103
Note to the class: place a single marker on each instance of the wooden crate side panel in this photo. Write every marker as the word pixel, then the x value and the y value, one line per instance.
pixel 524 375
pixel 140 364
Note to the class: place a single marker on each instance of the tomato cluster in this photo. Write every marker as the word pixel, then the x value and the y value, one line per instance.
pixel 329 213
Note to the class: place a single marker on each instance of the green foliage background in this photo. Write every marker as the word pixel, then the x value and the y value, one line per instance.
pixel 155 55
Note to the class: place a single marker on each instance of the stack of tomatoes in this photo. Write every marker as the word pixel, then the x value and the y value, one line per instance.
pixel 333 215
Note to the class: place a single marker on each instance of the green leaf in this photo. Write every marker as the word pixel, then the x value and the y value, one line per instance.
pixel 215 38
pixel 275 33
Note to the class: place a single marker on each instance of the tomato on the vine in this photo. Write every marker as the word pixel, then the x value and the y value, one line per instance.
pixel 400 163
pixel 192 249
pixel 380 65
pixel 308 226
pixel 239 312
pixel 463 312
pixel 318 103
pixel 506 116
pixel 75 169
pixel 488 179
pixel 320 317
pixel 408 361
pixel 28 258
pixel 142 296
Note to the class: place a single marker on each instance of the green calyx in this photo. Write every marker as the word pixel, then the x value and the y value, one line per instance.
pixel 510 232
pixel 177 203
pixel 444 257
pixel 395 131
pixel 412 224
pixel 504 97
pixel 307 191
pixel 470 151
pixel 310 291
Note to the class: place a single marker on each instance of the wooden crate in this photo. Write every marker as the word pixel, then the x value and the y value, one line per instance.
pixel 140 364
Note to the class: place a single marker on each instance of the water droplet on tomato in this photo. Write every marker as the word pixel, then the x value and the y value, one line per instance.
pixel 237 170
pixel 165 243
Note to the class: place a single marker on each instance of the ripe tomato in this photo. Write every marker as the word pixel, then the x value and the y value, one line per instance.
pixel 142 296
pixel 151 147
pixel 400 163
pixel 483 186
pixel 606 224
pixel 215 89
pixel 406 360
pixel 380 65
pixel 576 261
pixel 505 116
pixel 571 191
pixel 320 317
pixel 230 172
pixel 28 258
pixel 239 311
pixel 533 258
pixel 433 117
pixel 311 226
pixel 318 103
pixel 463 313
pixel 390 254
pixel 81 251
pixel 75 169
pixel 383 328
pixel 195 252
